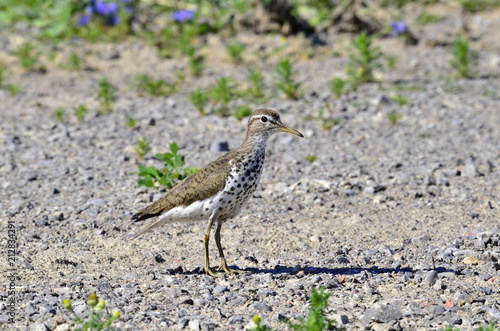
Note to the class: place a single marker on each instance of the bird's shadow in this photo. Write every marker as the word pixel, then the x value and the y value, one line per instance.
pixel 310 270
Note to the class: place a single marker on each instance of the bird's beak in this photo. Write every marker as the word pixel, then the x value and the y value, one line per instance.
pixel 285 128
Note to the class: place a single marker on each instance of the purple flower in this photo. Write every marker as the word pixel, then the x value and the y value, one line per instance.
pixel 83 20
pixel 89 10
pixel 398 28
pixel 105 8
pixel 112 8
pixel 113 20
pixel 183 15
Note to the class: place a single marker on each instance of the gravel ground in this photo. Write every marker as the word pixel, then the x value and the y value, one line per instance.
pixel 399 222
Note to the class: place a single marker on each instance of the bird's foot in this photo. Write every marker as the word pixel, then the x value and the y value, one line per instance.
pixel 209 271
pixel 228 270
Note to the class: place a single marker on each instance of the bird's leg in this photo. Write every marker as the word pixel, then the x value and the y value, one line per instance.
pixel 223 263
pixel 206 239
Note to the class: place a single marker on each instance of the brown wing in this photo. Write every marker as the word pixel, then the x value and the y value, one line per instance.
pixel 199 186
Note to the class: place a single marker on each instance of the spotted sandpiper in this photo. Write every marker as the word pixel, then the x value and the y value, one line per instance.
pixel 217 191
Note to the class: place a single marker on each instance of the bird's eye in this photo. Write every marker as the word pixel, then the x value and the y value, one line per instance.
pixel 263 119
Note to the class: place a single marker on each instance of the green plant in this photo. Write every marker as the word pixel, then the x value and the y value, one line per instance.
pixel 462 57
pixel 199 100
pixel 363 61
pixel 317 11
pixel 475 6
pixel 172 172
pixel 311 158
pixel 54 18
pixel 195 62
pixel 427 18
pixel 400 100
pixel 393 117
pixel 2 75
pixel 141 147
pixel 106 96
pixel 74 62
pixel 316 319
pixel 337 86
pixel 287 83
pixel 490 93
pixel 13 89
pixel 490 327
pixel 154 87
pixel 80 112
pixel 395 3
pixel 181 76
pixel 254 79
pixel 130 122
pixel 327 123
pixel 391 61
pixel 221 94
pixel 60 114
pixel 97 318
pixel 29 57
pixel 235 50
pixel 242 111
pixel 177 39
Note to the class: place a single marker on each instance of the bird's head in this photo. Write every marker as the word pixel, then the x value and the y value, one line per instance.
pixel 266 122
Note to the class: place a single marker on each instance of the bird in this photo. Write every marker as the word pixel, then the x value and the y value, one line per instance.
pixel 217 191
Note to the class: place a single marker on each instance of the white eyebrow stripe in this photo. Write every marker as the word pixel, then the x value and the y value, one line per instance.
pixel 269 117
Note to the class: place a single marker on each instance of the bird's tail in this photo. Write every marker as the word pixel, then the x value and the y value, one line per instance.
pixel 155 225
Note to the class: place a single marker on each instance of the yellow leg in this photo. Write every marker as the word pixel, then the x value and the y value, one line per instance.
pixel 206 239
pixel 223 263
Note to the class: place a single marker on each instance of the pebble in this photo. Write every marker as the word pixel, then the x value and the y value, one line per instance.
pixel 219 146
pixel 382 313
pixel 220 289
pixel 431 278
pixel 235 319
pixel 260 307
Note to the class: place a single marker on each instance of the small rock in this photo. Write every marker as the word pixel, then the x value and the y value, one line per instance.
pixel 471 260
pixel 260 306
pixel 220 289
pixel 451 317
pixel 430 278
pixel 235 319
pixel 421 240
pixel 30 309
pixel 438 285
pixel 62 327
pixel 219 146
pixel 382 313
pixel 342 260
pixel 378 199
pixel 194 325
pixel 199 302
pixel 469 170
pixel 96 202
pixel 38 327
pixel 341 319
pixel 159 259
pixel 296 269
pixel 486 290
pixel 44 309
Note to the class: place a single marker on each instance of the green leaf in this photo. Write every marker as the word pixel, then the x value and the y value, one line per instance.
pixel 173 148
